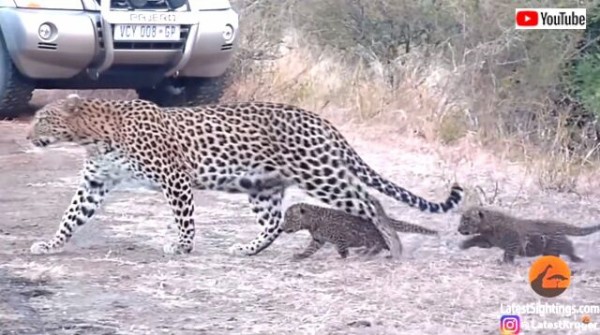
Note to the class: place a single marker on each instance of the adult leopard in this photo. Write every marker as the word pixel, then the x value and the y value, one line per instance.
pixel 226 147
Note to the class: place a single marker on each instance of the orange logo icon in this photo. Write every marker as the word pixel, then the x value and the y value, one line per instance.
pixel 586 319
pixel 549 276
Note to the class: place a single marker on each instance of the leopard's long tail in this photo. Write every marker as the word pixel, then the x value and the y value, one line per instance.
pixel 579 231
pixel 373 179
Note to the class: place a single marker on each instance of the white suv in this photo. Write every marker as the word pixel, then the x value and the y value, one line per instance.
pixel 173 52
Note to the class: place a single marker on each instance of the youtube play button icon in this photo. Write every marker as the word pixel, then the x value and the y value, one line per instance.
pixel 527 18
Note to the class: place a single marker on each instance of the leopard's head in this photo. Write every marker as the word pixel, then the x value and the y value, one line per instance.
pixel 53 122
pixel 473 221
pixel 81 120
pixel 294 218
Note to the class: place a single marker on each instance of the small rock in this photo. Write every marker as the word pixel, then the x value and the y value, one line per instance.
pixel 36 293
pixel 360 323
pixel 118 304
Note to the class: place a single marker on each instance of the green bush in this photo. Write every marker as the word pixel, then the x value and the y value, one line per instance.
pixel 587 82
pixel 584 71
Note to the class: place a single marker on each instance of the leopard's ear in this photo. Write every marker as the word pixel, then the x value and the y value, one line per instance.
pixel 72 103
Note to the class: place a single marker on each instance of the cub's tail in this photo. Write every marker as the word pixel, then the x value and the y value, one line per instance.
pixel 398 225
pixel 580 231
pixel 406 227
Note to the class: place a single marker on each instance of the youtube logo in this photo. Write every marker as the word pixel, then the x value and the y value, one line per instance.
pixel 550 18
pixel 527 18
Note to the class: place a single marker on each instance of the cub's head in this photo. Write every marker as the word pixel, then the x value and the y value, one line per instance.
pixel 52 123
pixel 474 221
pixel 294 218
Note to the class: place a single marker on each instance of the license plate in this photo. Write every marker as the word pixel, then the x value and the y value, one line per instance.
pixel 146 32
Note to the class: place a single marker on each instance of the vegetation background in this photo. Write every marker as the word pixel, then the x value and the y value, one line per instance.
pixel 447 71
pixel 427 92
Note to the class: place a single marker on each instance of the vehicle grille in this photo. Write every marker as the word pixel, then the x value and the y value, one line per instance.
pixel 47 46
pixel 185 30
pixel 123 4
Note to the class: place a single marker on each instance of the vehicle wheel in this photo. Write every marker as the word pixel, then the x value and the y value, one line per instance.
pixel 15 90
pixel 187 92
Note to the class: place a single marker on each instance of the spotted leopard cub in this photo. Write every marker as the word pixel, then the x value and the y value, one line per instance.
pixel 342 229
pixel 519 237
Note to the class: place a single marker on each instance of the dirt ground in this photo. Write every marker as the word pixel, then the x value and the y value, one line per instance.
pixel 114 279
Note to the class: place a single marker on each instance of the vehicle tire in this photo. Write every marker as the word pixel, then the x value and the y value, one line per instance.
pixel 15 90
pixel 187 92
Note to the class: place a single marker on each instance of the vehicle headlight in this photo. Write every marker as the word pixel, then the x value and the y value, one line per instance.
pixel 228 33
pixel 46 31
pixel 50 4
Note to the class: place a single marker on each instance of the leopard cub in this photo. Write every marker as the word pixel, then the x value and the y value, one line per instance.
pixel 342 229
pixel 518 236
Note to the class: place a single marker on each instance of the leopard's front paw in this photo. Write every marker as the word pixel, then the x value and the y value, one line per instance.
pixel 176 249
pixel 40 248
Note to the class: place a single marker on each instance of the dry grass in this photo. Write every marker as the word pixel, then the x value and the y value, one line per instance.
pixel 468 74
pixel 424 104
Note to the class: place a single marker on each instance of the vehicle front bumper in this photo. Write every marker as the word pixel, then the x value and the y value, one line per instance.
pixel 83 43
